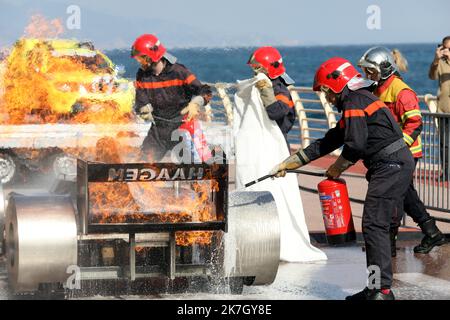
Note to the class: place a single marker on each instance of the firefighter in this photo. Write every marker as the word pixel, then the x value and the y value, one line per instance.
pixel 367 131
pixel 275 96
pixel 383 66
pixel 167 94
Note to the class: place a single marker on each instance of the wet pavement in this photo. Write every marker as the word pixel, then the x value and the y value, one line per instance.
pixel 416 277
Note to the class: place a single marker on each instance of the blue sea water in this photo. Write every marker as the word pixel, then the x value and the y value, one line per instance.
pixel 229 64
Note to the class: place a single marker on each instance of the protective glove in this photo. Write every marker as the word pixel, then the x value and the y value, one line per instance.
pixel 193 109
pixel 261 84
pixel 145 112
pixel 295 161
pixel 266 92
pixel 207 115
pixel 336 169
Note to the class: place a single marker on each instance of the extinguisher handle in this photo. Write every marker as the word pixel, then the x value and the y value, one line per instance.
pixel 259 180
pixel 315 174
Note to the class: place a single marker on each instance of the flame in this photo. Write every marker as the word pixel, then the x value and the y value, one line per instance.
pixel 193 237
pixel 46 80
pixel 50 81
pixel 151 202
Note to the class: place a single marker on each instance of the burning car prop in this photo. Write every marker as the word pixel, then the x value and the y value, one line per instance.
pixel 79 199
pixel 57 98
pixel 55 82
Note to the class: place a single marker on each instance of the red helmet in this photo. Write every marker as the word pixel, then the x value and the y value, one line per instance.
pixel 268 58
pixel 148 45
pixel 335 73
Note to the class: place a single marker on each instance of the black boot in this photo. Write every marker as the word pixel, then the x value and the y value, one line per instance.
pixel 433 237
pixel 371 294
pixel 393 236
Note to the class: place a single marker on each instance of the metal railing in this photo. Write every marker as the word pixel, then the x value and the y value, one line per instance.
pixel 315 116
pixel 432 171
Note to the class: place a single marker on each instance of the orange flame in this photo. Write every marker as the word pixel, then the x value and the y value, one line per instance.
pixel 152 202
pixel 50 81
pixel 44 81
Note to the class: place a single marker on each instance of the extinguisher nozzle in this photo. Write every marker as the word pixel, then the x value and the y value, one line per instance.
pixel 259 180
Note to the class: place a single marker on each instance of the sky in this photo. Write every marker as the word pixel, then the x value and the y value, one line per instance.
pixel 230 23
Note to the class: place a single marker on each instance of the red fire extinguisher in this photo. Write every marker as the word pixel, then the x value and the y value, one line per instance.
pixel 195 130
pixel 336 210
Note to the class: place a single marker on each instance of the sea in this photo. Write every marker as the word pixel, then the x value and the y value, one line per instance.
pixel 214 65
pixel 229 64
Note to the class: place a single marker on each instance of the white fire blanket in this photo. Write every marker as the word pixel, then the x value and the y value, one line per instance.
pixel 260 146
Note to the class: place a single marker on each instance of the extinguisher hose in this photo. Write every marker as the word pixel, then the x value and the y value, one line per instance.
pixel 315 174
pixel 310 190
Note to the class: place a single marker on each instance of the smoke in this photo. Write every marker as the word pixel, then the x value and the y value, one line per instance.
pixel 39 27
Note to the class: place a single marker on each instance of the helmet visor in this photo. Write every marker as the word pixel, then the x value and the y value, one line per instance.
pixel 251 60
pixel 369 70
pixel 325 89
pixel 255 65
pixel 371 73
pixel 135 52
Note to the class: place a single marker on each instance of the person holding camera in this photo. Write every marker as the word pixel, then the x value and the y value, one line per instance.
pixel 440 70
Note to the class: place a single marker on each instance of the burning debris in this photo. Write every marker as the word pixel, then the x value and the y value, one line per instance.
pixel 127 197
pixel 57 95
pixel 48 80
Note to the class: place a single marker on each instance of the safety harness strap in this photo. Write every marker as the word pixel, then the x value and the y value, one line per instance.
pixel 388 150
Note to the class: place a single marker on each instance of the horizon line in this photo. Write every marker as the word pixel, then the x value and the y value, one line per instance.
pixel 288 46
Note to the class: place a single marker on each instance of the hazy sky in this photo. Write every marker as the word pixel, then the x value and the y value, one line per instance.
pixel 183 23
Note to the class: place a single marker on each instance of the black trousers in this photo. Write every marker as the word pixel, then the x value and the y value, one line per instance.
pixel 388 180
pixel 411 205
pixel 159 138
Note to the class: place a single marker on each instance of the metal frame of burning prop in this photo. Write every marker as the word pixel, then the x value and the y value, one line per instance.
pixel 156 234
pixel 140 172
pixel 247 251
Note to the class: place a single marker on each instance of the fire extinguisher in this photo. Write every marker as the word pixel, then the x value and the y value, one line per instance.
pixel 336 211
pixel 195 130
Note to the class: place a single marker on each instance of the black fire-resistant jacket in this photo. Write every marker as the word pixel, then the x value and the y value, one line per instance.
pixel 366 127
pixel 282 111
pixel 168 92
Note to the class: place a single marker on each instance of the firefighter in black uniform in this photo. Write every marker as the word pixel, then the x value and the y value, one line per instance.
pixel 167 94
pixel 368 131
pixel 275 96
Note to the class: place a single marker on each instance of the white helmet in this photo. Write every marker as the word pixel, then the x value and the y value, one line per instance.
pixel 380 59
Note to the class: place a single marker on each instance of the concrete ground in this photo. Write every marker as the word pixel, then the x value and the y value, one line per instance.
pixel 416 277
